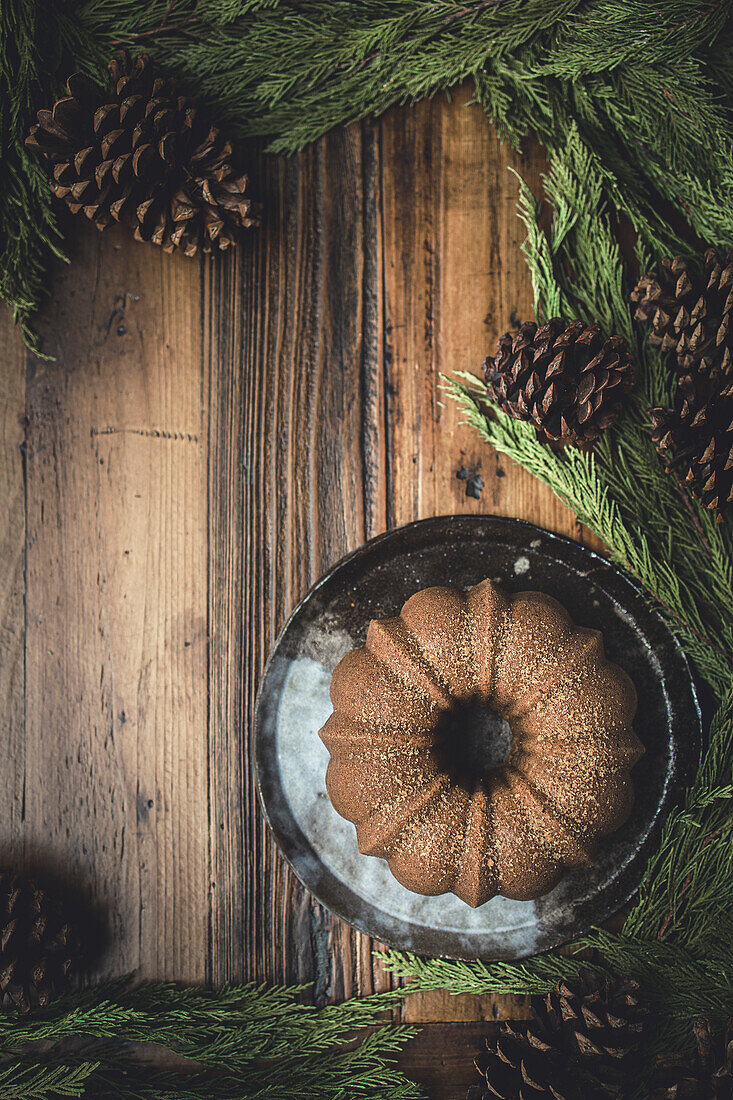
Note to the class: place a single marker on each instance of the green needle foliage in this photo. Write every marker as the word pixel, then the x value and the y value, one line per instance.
pixel 686 896
pixel 29 235
pixel 648 92
pixel 241 1041
pixel 32 1081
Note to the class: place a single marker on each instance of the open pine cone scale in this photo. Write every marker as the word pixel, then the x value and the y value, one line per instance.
pixel 688 313
pixel 705 1074
pixel 521 1066
pixel 695 437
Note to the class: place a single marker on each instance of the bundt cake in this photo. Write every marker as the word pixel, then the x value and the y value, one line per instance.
pixel 420 716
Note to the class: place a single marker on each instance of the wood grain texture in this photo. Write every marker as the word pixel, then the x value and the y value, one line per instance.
pixel 12 587
pixel 298 478
pixel 116 602
pixel 212 437
pixel 456 279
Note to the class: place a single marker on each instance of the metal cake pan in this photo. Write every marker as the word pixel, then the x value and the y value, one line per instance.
pixel 293 703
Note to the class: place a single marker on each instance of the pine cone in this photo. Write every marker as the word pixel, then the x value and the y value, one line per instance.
pixel 690 313
pixel 705 1075
pixel 577 1046
pixel 141 155
pixel 566 379
pixel 695 436
pixel 39 949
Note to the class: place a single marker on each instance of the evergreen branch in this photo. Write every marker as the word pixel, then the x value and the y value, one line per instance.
pixel 537 975
pixel 364 1072
pixel 621 492
pixel 687 883
pixel 39 1081
pixel 29 234
pixel 548 297
pixel 678 984
pixel 226 1027
pixel 291 70
pixel 241 1041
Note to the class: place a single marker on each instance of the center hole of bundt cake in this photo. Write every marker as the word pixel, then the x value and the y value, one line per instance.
pixel 473 741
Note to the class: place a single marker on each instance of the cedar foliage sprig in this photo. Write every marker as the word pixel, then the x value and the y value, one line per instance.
pixel 29 234
pixel 685 897
pixel 31 1080
pixel 651 97
pixel 240 1041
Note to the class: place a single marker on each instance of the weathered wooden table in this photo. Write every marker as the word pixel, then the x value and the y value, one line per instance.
pixel 209 439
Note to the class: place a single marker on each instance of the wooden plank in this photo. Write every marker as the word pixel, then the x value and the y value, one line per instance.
pixel 116 651
pixel 12 588
pixel 297 474
pixel 442 1005
pixel 455 280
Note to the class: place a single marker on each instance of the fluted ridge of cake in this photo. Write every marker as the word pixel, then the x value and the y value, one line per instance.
pixel 566 783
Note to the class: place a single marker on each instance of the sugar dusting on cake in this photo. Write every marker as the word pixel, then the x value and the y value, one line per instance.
pixel 545 806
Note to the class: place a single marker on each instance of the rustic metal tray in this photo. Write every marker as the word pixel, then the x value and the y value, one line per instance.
pixel 293 703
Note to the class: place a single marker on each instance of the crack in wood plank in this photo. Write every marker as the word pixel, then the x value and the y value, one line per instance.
pixel 152 433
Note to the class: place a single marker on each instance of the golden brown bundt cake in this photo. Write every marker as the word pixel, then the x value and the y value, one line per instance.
pixel 419 716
